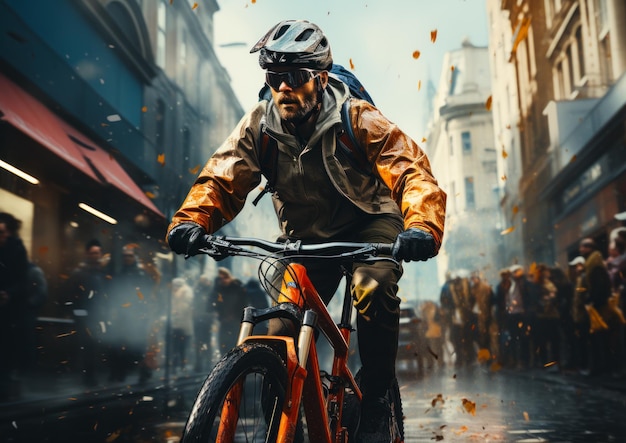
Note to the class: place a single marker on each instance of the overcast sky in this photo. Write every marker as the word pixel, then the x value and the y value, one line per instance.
pixel 379 37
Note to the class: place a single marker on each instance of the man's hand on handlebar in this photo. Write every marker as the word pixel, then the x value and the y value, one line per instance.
pixel 414 244
pixel 187 238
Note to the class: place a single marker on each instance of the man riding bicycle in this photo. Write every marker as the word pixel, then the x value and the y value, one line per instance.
pixel 320 196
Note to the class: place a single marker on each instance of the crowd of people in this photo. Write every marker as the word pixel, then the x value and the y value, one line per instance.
pixel 543 316
pixel 118 315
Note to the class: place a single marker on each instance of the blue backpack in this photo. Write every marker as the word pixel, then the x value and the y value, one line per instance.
pixel 346 140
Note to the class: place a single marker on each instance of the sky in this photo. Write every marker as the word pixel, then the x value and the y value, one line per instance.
pixel 380 39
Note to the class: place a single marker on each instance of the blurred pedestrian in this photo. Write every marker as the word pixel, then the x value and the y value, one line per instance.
pixel 565 298
pixel 515 300
pixel 13 300
pixel 86 292
pixel 203 319
pixel 547 331
pixel 605 337
pixel 228 296
pixel 580 318
pixel 36 295
pixel 128 318
pixel 464 320
pixel 182 322
pixel 483 295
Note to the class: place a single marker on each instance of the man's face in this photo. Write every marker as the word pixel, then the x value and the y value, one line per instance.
pixel 294 103
pixel 94 255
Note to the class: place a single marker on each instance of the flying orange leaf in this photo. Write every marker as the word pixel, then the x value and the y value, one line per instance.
pixel 126 305
pixel 419 85
pixel 504 153
pixel 573 159
pixel 43 250
pixel 488 103
pixel 140 295
pixel 469 406
pixel 508 230
pixel 526 416
pixel 515 209
pixel 452 68
pixel 194 170
pixel 423 139
pixel 161 159
pixel 150 195
pixel 144 109
pixel 433 35
pixel 351 64
pixel 503 177
pixel 416 54
pixel 195 5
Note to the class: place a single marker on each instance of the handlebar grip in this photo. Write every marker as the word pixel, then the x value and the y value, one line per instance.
pixel 384 248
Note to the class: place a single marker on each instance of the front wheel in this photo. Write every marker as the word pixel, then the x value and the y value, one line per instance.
pixel 397 415
pixel 241 400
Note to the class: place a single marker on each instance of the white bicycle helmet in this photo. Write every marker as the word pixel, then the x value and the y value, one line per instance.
pixel 294 43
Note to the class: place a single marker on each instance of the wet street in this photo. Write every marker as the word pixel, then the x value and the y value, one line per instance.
pixel 532 406
pixel 473 404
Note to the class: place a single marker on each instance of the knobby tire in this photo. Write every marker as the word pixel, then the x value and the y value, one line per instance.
pixel 259 373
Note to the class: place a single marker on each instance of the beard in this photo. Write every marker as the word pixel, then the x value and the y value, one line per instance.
pixel 293 108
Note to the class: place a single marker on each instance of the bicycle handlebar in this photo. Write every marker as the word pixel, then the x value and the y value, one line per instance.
pixel 220 247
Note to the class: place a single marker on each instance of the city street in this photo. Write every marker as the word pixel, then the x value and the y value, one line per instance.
pixel 473 404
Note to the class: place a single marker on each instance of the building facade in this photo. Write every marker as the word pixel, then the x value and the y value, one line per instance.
pixel 111 105
pixel 569 60
pixel 461 148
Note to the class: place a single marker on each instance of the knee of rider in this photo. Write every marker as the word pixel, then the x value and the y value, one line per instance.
pixel 363 288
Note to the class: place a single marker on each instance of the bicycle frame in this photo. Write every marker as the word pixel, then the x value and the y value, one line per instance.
pixel 323 414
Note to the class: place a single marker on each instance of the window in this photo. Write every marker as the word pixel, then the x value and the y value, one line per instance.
pixel 470 201
pixel 161 41
pixel 570 67
pixel 466 141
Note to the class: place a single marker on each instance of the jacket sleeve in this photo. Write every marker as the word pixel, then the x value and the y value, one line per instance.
pixel 220 191
pixel 404 167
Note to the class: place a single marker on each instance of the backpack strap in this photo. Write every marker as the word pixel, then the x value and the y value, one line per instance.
pixel 268 157
pixel 349 144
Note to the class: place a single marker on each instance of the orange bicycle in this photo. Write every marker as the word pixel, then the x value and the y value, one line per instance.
pixel 270 388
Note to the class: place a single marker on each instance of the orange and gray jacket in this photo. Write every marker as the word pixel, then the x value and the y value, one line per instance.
pixel 401 181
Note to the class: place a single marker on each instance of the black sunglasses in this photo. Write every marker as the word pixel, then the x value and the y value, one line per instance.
pixel 293 79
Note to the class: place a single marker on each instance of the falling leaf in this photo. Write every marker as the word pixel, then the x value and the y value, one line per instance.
pixel 508 230
pixel 150 195
pixel 452 68
pixel 526 416
pixel 43 250
pixel 433 35
pixel 488 103
pixel 424 139
pixel 515 209
pixel 547 365
pixel 140 295
pixel 351 64
pixel 416 54
pixel 495 366
pixel 104 125
pixel 194 170
pixel 144 109
pixel 195 5
pixel 573 159
pixel 161 159
pixel 484 355
pixel 126 305
pixel 171 1
pixel 419 85
pixel 438 399
pixel 469 406
pixel 504 153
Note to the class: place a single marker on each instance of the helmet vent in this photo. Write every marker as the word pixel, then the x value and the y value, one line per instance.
pixel 281 32
pixel 304 35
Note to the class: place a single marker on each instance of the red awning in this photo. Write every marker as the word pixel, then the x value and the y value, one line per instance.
pixel 34 119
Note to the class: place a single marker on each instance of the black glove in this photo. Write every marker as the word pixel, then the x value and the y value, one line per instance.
pixel 186 238
pixel 414 244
